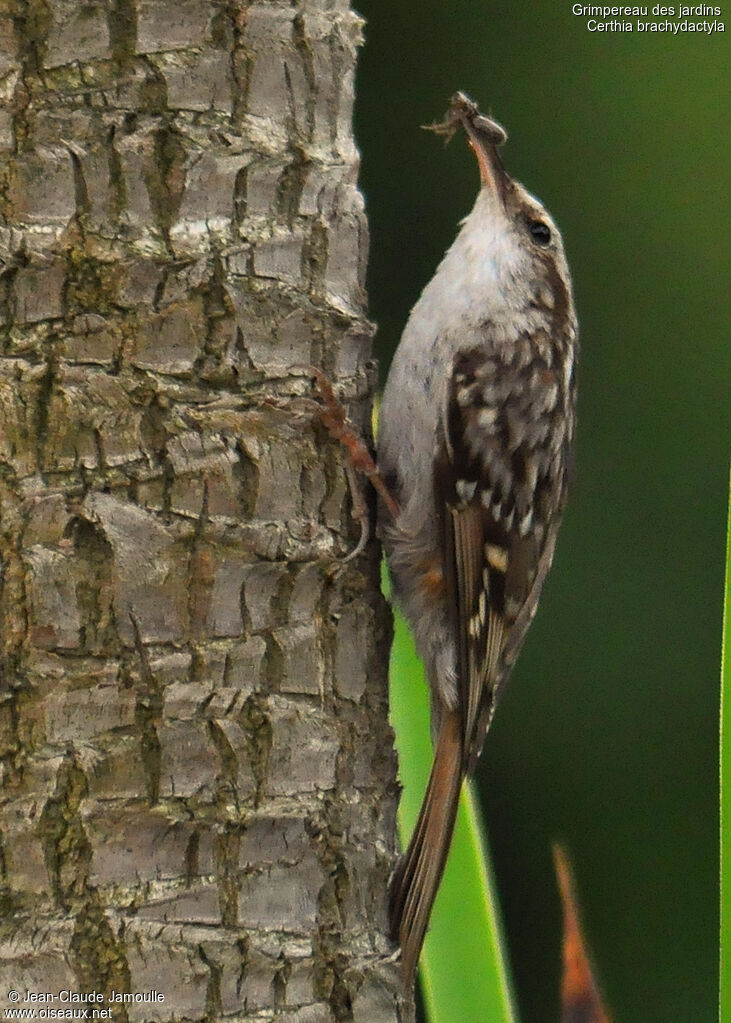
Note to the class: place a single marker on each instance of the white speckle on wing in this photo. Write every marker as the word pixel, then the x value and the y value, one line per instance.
pixel 482 607
pixel 486 417
pixel 466 490
pixel 497 557
pixel 525 523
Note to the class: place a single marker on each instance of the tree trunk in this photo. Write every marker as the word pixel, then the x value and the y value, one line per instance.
pixel 198 792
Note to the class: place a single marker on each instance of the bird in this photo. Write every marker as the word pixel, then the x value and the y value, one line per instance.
pixel 475 445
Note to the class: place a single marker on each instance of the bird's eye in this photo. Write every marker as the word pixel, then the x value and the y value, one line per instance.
pixel 539 232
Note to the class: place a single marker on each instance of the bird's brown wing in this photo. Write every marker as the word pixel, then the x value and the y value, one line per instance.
pixel 489 491
pixel 475 591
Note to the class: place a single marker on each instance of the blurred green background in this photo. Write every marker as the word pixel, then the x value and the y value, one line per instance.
pixel 607 734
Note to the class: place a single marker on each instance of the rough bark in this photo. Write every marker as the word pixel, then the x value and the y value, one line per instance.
pixel 198 783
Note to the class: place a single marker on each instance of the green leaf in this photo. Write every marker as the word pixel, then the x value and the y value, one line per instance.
pixel 462 967
pixel 725 743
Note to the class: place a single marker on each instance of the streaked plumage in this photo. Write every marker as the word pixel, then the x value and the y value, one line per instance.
pixel 475 437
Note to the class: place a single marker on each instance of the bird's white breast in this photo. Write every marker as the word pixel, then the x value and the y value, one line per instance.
pixel 472 286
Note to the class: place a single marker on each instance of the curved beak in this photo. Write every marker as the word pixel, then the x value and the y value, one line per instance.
pixel 484 136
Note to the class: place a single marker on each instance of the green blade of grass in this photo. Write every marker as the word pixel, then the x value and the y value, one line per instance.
pixel 462 967
pixel 725 747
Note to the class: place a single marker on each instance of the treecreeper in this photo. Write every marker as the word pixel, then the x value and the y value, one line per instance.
pixel 475 444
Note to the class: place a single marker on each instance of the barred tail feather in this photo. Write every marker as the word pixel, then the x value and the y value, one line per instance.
pixel 419 871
